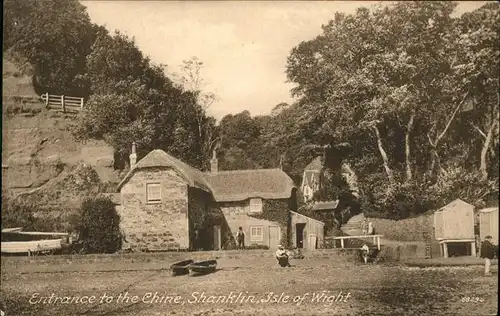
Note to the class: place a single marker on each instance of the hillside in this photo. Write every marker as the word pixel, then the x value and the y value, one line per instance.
pixel 37 146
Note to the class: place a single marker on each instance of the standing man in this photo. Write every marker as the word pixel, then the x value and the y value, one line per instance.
pixel 240 237
pixel 371 229
pixel 364 226
pixel 487 252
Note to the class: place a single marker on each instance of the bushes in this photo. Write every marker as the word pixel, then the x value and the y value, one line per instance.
pixel 99 228
pixel 17 214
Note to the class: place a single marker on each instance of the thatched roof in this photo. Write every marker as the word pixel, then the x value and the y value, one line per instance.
pixel 225 186
pixel 159 158
pixel 239 185
pixel 114 197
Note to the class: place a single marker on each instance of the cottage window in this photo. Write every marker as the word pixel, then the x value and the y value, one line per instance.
pixel 153 192
pixel 256 233
pixel 255 205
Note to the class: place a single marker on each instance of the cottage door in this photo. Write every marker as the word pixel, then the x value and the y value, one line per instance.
pixel 312 241
pixel 217 237
pixel 274 237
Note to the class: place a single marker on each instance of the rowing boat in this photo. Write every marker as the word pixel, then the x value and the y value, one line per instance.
pixel 202 267
pixel 181 267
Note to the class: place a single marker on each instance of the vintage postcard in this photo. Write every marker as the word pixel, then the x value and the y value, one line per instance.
pixel 250 158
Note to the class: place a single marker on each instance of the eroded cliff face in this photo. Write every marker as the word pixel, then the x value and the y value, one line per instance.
pixel 38 148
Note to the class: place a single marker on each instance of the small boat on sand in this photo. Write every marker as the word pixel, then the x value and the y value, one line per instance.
pixel 180 268
pixel 202 267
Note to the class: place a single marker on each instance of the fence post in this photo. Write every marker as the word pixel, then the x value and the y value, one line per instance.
pixel 81 103
pixel 62 104
pixel 47 100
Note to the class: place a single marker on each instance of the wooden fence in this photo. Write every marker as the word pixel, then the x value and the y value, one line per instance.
pixel 63 102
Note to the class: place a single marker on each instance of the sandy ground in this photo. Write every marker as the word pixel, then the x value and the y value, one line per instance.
pixel 258 287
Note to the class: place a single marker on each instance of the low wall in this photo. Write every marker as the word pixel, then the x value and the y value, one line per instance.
pixel 389 253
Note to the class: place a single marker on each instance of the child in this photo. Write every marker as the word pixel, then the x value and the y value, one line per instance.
pixel 282 257
pixel 365 252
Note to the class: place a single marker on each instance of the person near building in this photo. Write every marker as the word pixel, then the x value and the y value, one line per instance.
pixel 488 252
pixel 240 238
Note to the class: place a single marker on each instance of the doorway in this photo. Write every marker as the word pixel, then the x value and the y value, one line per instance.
pixel 299 234
pixel 274 237
pixel 217 237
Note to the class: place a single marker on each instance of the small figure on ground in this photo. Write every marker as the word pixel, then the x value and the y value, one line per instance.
pixel 282 257
pixel 487 252
pixel 364 227
pixel 240 237
pixel 365 253
pixel 371 229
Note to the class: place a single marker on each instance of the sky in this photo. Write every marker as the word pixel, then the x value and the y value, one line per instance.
pixel 244 45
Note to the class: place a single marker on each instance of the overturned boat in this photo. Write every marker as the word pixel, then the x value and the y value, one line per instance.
pixel 202 267
pixel 181 268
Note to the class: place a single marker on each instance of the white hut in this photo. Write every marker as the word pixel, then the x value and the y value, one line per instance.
pixel 488 224
pixel 454 227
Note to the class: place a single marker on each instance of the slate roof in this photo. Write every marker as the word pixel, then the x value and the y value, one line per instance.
pixel 159 158
pixel 225 186
pixel 315 165
pixel 323 206
pixel 238 185
pixel 311 177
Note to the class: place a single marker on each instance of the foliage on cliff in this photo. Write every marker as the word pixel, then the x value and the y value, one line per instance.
pixel 129 97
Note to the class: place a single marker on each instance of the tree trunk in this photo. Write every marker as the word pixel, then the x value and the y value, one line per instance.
pixel 409 127
pixel 483 168
pixel 388 170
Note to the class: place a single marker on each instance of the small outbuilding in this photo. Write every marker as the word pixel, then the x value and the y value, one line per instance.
pixel 488 224
pixel 454 229
pixel 307 232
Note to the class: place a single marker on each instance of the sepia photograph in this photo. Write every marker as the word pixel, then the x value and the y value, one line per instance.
pixel 236 157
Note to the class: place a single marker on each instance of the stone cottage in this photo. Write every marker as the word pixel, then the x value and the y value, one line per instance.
pixel 166 204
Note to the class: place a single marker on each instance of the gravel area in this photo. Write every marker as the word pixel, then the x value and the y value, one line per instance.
pixel 251 287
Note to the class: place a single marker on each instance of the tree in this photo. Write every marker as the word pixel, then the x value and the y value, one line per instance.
pixel 99 227
pixel 391 83
pixel 54 36
pixel 193 82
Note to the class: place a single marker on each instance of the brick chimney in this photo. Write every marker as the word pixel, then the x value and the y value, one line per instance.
pixel 133 156
pixel 214 162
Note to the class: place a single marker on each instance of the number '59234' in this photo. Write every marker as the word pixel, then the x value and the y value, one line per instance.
pixel 472 299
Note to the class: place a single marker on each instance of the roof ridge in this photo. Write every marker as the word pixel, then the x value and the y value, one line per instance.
pixel 242 171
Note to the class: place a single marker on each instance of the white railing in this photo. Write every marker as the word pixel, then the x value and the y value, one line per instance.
pixel 63 102
pixel 375 238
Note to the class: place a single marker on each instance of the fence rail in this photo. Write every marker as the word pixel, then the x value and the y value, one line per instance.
pixel 62 101
pixel 375 239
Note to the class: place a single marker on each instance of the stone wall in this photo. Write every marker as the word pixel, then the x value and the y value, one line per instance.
pixel 158 226
pixel 410 229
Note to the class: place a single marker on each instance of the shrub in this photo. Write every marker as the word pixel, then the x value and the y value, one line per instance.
pixel 17 214
pixel 256 246
pixel 99 228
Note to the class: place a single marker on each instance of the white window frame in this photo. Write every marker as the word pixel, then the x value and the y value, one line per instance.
pixel 256 205
pixel 153 200
pixel 257 237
